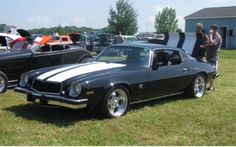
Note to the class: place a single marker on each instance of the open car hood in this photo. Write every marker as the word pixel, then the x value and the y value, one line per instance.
pixel 75 37
pixel 23 33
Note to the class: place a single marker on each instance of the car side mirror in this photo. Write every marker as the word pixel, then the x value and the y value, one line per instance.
pixel 156 65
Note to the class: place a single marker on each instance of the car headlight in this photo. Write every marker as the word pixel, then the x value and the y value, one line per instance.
pixel 75 89
pixel 24 79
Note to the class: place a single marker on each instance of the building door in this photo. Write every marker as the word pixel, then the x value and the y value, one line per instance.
pixel 223 34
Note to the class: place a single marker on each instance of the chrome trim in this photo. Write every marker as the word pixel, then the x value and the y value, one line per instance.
pixel 12 86
pixel 59 98
pixel 46 92
pixel 146 100
pixel 22 90
pixel 55 100
pixel 151 53
pixel 12 81
pixel 60 104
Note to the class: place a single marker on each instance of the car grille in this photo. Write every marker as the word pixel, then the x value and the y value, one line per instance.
pixel 47 87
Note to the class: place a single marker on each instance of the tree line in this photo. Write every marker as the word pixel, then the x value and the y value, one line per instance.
pixel 122 18
pixel 63 30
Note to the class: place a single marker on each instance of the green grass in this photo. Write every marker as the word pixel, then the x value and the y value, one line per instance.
pixel 210 120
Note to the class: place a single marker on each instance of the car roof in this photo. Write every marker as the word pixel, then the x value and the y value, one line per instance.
pixel 145 45
pixel 12 36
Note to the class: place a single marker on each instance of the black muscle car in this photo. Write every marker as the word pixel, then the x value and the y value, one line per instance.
pixel 120 75
pixel 17 61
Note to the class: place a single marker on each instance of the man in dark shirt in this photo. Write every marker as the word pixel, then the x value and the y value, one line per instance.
pixel 215 42
pixel 199 51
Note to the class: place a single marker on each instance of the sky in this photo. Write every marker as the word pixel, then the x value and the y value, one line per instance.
pixel 30 14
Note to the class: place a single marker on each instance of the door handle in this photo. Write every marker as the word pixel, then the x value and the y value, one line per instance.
pixel 184 69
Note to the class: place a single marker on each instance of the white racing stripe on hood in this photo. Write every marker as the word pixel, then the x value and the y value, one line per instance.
pixel 83 70
pixel 52 72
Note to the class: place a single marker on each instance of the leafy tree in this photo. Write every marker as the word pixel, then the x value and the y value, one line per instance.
pixel 60 30
pixel 2 27
pixel 165 21
pixel 63 30
pixel 123 19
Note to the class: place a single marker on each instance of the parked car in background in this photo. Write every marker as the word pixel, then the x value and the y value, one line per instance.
pixel 127 39
pixel 60 40
pixel 113 40
pixel 5 39
pixel 121 75
pixel 92 42
pixel 34 36
pixel 17 61
pixel 75 38
pixel 97 41
pixel 105 40
pixel 149 36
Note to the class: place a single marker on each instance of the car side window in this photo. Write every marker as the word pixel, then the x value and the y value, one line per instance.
pixel 45 48
pixel 9 40
pixel 175 58
pixel 167 57
pixel 64 39
pixel 53 48
pixel 3 41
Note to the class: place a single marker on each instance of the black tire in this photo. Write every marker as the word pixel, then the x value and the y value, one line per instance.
pixel 3 82
pixel 119 111
pixel 197 88
pixel 30 98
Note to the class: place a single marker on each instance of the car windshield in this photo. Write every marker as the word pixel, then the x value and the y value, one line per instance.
pixel 55 38
pixel 125 55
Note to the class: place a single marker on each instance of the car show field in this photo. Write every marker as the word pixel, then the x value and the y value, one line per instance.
pixel 176 120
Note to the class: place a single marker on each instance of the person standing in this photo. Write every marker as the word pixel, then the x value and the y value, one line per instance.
pixel 120 38
pixel 83 40
pixel 199 51
pixel 215 42
pixel 55 34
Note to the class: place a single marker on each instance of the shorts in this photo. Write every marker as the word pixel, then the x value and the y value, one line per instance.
pixel 214 64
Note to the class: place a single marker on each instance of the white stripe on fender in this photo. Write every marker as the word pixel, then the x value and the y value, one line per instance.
pixel 83 70
pixel 50 73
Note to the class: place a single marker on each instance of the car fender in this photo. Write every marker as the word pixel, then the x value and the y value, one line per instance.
pixel 100 94
pixel 119 84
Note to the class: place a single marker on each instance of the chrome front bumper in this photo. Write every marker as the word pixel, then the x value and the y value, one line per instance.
pixel 48 99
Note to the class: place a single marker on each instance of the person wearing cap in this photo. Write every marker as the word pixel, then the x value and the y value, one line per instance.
pixel 199 51
pixel 215 42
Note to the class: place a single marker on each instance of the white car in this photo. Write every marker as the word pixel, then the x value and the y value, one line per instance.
pixel 5 39
pixel 129 38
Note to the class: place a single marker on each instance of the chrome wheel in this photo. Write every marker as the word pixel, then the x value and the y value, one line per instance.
pixel 117 102
pixel 199 86
pixel 3 83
